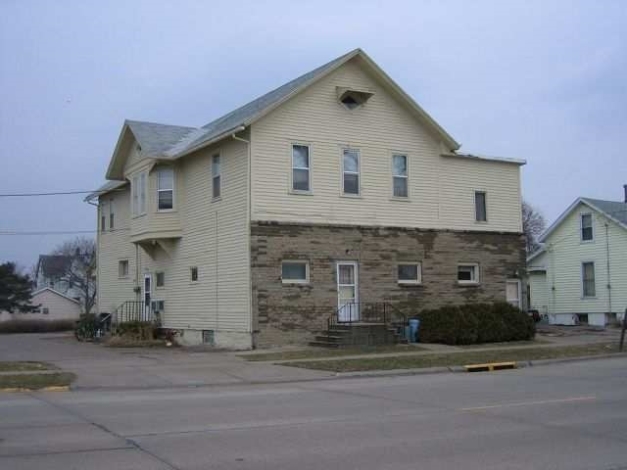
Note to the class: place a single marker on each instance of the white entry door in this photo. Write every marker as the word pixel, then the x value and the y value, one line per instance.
pixel 147 295
pixel 513 292
pixel 347 291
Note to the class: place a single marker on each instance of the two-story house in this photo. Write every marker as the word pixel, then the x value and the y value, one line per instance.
pixel 329 192
pixel 52 272
pixel 580 273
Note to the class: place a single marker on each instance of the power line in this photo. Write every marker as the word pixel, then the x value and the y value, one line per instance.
pixel 54 232
pixel 58 193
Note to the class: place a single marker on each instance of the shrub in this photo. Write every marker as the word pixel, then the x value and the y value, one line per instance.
pixel 36 326
pixel 475 323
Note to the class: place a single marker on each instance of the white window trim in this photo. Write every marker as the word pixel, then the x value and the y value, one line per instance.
pixel 410 282
pixel 473 282
pixel 358 173
pixel 583 291
pixel 120 275
pixel 135 195
pixel 474 203
pixel 308 192
pixel 296 281
pixel 406 176
pixel 214 176
pixel 581 214
pixel 157 286
pixel 143 197
pixel 159 190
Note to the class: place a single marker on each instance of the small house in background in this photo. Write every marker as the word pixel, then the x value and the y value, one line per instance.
pixel 53 306
pixel 580 273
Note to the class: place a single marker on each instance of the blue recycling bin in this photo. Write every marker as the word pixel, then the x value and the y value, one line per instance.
pixel 414 326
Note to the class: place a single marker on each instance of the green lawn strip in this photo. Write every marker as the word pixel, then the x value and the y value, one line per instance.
pixel 324 353
pixel 456 358
pixel 24 366
pixel 36 381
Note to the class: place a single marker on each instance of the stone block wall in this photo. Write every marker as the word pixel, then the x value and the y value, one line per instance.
pixel 292 314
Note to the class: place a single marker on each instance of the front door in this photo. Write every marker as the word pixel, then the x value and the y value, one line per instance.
pixel 513 292
pixel 147 296
pixel 347 291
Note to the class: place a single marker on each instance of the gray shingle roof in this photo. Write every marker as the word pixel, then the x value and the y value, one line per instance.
pixel 614 209
pixel 155 139
pixel 105 188
pixel 244 114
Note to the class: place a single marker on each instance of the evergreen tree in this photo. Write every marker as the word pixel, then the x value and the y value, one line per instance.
pixel 15 290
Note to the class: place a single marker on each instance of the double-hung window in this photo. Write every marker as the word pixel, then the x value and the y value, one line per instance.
pixel 399 175
pixel 135 195
pixel 587 233
pixel 138 194
pixel 481 213
pixel 588 279
pixel 301 169
pixel 216 176
pixel 350 170
pixel 165 189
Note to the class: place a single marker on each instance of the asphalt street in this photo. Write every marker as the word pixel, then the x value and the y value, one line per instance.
pixel 568 416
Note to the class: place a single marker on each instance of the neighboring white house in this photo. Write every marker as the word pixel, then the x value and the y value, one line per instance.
pixel 580 273
pixel 329 193
pixel 52 272
pixel 52 306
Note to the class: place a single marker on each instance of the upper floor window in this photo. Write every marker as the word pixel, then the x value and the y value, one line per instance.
pixel 350 172
pixel 481 214
pixel 123 268
pixel 301 179
pixel 352 99
pixel 399 175
pixel 165 189
pixel 193 273
pixel 160 275
pixel 111 216
pixel 103 220
pixel 138 194
pixel 587 233
pixel 216 176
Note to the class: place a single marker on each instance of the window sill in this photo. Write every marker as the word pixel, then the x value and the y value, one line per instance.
pixel 589 298
pixel 586 242
pixel 468 284
pixel 216 199
pixel 400 199
pixel 165 211
pixel 295 192
pixel 286 282
pixel 481 222
pixel 409 283
pixel 351 196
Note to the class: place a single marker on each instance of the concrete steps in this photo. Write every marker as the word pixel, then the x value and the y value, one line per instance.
pixel 357 334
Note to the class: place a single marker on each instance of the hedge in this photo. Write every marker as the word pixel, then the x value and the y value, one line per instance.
pixel 475 323
pixel 36 326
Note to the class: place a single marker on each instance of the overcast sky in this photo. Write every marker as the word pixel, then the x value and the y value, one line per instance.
pixel 541 80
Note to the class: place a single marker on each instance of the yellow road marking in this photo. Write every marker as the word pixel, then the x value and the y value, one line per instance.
pixel 528 403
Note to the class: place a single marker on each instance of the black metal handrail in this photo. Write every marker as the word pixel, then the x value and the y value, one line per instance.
pixel 366 312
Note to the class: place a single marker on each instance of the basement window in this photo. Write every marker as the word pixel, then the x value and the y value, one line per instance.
pixel 409 273
pixel 468 274
pixel 352 99
pixel 295 272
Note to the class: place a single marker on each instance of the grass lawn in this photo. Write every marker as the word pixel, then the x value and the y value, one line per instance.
pixel 457 358
pixel 23 366
pixel 36 381
pixel 322 353
pixel 506 344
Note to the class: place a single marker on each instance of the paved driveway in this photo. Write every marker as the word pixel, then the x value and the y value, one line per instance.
pixel 98 366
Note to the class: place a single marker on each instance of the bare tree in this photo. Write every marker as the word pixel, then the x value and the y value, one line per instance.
pixel 81 272
pixel 533 226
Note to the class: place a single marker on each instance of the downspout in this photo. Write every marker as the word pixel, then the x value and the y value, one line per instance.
pixel 248 234
pixel 607 256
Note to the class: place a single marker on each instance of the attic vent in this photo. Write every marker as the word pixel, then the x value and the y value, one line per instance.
pixel 138 148
pixel 353 98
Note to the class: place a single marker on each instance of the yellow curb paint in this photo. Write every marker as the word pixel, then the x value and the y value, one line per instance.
pixel 490 366
pixel 528 403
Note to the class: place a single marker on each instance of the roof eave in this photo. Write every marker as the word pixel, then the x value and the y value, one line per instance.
pixel 512 161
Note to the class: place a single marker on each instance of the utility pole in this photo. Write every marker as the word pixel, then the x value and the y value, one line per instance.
pixel 622 333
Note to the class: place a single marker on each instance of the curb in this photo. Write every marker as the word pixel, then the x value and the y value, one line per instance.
pixel 53 388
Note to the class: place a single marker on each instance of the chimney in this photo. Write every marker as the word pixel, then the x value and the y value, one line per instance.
pixel 625 188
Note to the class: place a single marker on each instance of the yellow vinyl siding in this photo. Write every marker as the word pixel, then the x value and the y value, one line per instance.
pixel 565 254
pixel 114 246
pixel 440 189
